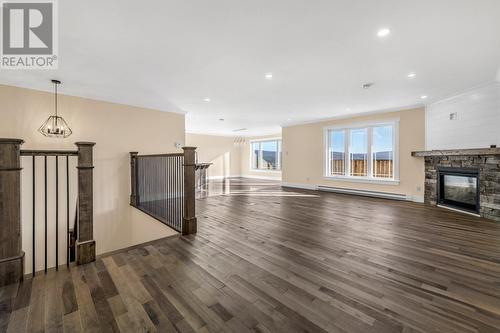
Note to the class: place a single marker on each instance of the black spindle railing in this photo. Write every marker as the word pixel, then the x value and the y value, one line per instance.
pixel 46 154
pixel 160 187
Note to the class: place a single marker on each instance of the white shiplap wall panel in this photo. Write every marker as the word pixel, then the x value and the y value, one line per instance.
pixel 477 124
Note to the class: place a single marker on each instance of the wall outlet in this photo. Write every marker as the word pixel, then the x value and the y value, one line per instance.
pixel 178 145
pixel 453 116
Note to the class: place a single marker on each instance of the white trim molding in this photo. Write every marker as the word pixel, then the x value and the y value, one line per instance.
pixel 301 186
pixel 366 180
pixel 394 122
pixel 354 115
pixel 365 193
pixel 262 177
pixel 222 177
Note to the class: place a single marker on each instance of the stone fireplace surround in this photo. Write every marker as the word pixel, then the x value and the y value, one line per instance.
pixel 486 160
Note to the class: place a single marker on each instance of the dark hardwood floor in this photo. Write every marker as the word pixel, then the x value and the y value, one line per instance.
pixel 268 259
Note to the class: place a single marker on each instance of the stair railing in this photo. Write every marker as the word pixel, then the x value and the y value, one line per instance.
pixel 11 249
pixel 163 186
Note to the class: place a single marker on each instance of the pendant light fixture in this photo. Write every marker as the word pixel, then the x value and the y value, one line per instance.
pixel 55 126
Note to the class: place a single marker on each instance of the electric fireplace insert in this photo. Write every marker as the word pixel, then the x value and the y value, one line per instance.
pixel 459 188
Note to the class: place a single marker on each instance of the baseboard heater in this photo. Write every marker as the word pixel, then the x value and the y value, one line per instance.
pixel 375 194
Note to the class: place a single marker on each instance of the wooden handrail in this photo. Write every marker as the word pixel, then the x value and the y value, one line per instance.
pixel 161 155
pixel 28 152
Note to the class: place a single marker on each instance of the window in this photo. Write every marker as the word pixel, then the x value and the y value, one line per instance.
pixel 362 152
pixel 383 151
pixel 337 153
pixel 358 152
pixel 266 155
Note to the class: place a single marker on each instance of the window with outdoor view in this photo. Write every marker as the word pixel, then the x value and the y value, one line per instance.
pixel 266 155
pixel 364 152
pixel 337 152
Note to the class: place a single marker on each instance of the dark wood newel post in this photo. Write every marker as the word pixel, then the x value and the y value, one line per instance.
pixel 189 223
pixel 11 255
pixel 85 245
pixel 133 178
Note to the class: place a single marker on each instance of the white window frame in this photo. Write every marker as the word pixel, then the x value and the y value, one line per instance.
pixel 279 162
pixel 394 122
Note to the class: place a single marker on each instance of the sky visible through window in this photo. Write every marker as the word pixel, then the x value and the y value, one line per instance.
pixel 266 155
pixel 358 141
pixel 337 141
pixel 382 140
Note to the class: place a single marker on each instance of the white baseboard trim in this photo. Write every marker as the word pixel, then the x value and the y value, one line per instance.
pixel 221 177
pixel 376 194
pixel 301 186
pixel 416 198
pixel 366 193
pixel 262 177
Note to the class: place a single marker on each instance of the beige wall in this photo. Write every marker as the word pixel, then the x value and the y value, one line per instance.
pixel 303 153
pixel 224 152
pixel 246 171
pixel 230 155
pixel 117 130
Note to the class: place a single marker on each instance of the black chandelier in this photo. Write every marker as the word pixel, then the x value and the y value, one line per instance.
pixel 55 126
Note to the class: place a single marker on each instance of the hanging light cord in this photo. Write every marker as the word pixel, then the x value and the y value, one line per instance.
pixel 55 97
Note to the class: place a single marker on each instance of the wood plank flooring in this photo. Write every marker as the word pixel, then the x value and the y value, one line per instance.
pixel 268 259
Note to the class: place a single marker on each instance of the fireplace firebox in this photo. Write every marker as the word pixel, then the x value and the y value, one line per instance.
pixel 458 188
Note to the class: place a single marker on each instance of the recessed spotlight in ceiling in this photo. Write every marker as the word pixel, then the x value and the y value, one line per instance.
pixel 383 32
pixel 368 85
pixel 423 97
pixel 269 76
pixel 206 100
pixel 412 75
pixel 289 119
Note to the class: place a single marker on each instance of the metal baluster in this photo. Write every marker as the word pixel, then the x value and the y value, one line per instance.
pixel 179 198
pixel 67 211
pixel 181 203
pixel 174 191
pixel 45 174
pixel 179 191
pixel 34 215
pixel 164 186
pixel 57 213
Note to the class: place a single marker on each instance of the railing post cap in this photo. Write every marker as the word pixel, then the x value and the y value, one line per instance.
pixel 85 143
pixel 189 148
pixel 134 153
pixel 11 140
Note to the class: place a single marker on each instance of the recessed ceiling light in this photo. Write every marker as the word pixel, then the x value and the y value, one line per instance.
pixel 423 97
pixel 367 85
pixel 412 75
pixel 206 100
pixel 384 32
pixel 289 119
pixel 221 119
pixel 269 76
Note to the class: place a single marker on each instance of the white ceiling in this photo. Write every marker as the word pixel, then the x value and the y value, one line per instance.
pixel 171 54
